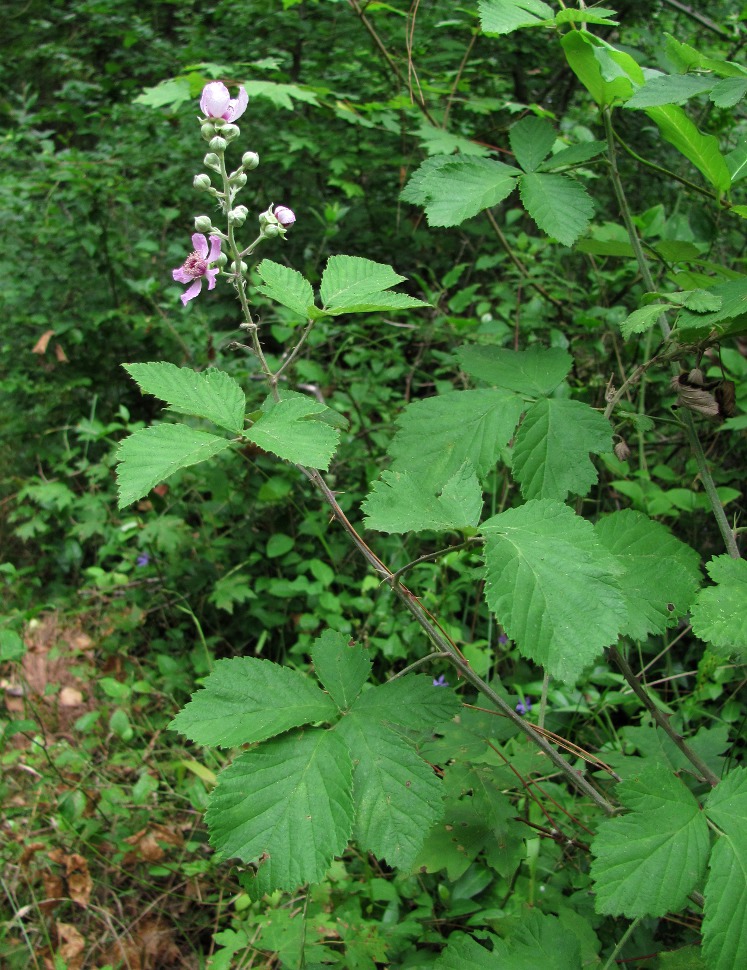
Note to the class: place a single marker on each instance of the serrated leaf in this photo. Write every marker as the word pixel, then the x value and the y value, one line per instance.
pixel 648 861
pixel 341 665
pixel 437 435
pixel 733 311
pixel 531 140
pixel 505 16
pixel 151 455
pixel 399 502
pixel 574 155
pixel 408 703
pixel 702 150
pixel 726 804
pixel 289 430
pixel 586 15
pixel 452 189
pixel 539 940
pixel 281 95
pixel 737 161
pixel 287 287
pixel 560 207
pixel 351 284
pixel 210 394
pixel 685 58
pixel 397 795
pixel 669 89
pixel 725 918
pixel 552 586
pixel 641 320
pixel 535 372
pixel 719 614
pixel 286 806
pixel 729 92
pixel 661 573
pixel 551 451
pixel 244 700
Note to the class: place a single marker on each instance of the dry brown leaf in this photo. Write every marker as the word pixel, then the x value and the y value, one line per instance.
pixel 79 882
pixel 70 697
pixel 60 354
pixel 40 347
pixel 71 945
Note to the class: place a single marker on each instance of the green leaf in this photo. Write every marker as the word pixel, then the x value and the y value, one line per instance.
pixel 719 614
pixel 408 703
pixel 397 795
pixel 452 189
pixel 351 284
pixel 551 451
pixel 174 92
pixel 289 430
pixel 341 665
pixel 737 160
pixel 661 573
pixel 465 951
pixel 685 58
pixel 531 141
pixel 151 455
pixel 726 804
pixel 210 394
pixel 725 918
pixel 586 15
pixel 535 372
pixel 505 16
pixel 285 806
pixel 437 435
pixel 648 861
pixel 561 207
pixel 641 320
pixel 582 50
pixel 539 940
pixel 436 141
pixel 669 89
pixel 398 502
pixel 732 314
pixel 245 700
pixel 702 150
pixel 574 155
pixel 552 586
pixel 287 287
pixel 282 95
pixel 230 590
pixel 729 92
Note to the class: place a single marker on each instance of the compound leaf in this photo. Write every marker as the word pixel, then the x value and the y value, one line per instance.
pixel 535 372
pixel 151 455
pixel 408 703
pixel 454 188
pixel 559 205
pixel 341 665
pixel 552 586
pixel 648 861
pixel 287 287
pixel 291 429
pixel 244 700
pixel 285 806
pixel 551 451
pixel 531 140
pixel 719 614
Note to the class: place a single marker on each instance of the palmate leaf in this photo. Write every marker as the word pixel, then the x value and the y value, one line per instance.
pixel 210 394
pixel 452 188
pixel 719 614
pixel 401 503
pixel 551 451
pixel 151 455
pixel 409 703
pixel 287 287
pixel 535 372
pixel 648 861
pixel 244 700
pixel 341 666
pixel 437 435
pixel 552 586
pixel 351 284
pixel 505 16
pixel 661 573
pixel 285 806
pixel 560 206
pixel 291 429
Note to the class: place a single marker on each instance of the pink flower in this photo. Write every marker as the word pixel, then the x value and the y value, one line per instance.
pixel 196 266
pixel 285 216
pixel 216 102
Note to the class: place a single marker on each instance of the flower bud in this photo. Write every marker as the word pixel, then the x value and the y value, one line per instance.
pixel 271 230
pixel 211 161
pixel 622 450
pixel 244 268
pixel 285 216
pixel 237 216
pixel 250 160
pixel 221 260
pixel 202 182
pixel 238 179
pixel 204 224
pixel 229 131
pixel 207 130
pixel 218 144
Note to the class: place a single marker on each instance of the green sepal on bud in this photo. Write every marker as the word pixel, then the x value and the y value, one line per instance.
pixel 238 179
pixel 230 132
pixel 211 161
pixel 204 224
pixel 218 144
pixel 243 268
pixel 237 216
pixel 271 230
pixel 202 182
pixel 208 130
pixel 250 160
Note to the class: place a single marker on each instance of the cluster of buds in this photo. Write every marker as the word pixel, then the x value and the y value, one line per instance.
pixel 217 127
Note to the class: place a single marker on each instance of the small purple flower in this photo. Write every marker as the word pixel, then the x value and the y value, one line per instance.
pixel 440 681
pixel 285 216
pixel 196 265
pixel 503 639
pixel 525 706
pixel 143 559
pixel 216 102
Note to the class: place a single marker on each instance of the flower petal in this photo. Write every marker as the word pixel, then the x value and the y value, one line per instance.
pixel 200 244
pixel 237 106
pixel 215 99
pixel 181 276
pixel 192 292
pixel 210 275
pixel 215 243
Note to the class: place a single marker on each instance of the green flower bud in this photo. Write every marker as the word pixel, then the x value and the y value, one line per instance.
pixel 271 231
pixel 218 144
pixel 202 182
pixel 238 179
pixel 237 216
pixel 211 161
pixel 208 130
pixel 244 268
pixel 204 224
pixel 229 132
pixel 250 160
pixel 221 260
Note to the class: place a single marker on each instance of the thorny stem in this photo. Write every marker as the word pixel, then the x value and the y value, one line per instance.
pixel 687 418
pixel 661 718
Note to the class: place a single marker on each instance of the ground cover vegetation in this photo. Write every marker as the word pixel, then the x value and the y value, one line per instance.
pixel 387 607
